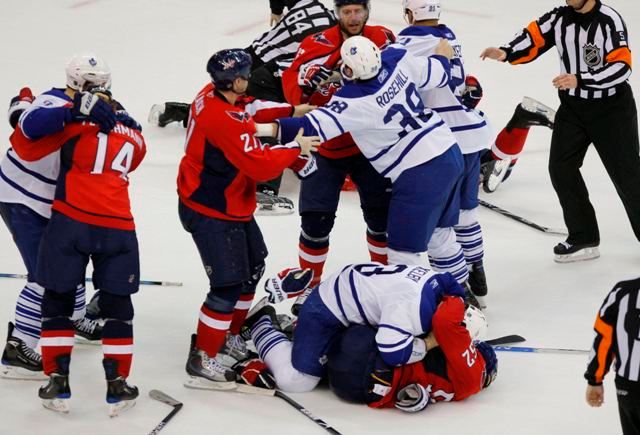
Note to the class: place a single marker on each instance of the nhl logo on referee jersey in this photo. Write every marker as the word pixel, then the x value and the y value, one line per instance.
pixel 591 54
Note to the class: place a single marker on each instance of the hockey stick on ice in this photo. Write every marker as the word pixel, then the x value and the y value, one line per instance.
pixel 540 350
pixel 522 220
pixel 142 281
pixel 277 393
pixel 164 398
pixel 507 339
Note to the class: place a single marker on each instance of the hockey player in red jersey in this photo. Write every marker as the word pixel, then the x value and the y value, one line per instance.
pixel 217 188
pixel 454 368
pixel 91 220
pixel 312 78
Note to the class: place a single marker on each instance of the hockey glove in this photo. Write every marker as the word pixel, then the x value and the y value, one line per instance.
pixel 289 283
pixel 412 398
pixel 314 76
pixel 472 93
pixel 304 166
pixel 19 104
pixel 89 107
pixel 254 372
pixel 123 117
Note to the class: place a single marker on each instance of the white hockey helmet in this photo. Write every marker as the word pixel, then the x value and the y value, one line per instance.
pixel 475 322
pixel 423 9
pixel 362 56
pixel 86 69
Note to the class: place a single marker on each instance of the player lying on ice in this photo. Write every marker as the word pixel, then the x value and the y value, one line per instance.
pixel 400 304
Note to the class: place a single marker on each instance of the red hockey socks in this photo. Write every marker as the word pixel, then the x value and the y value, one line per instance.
pixel 509 144
pixel 377 244
pixel 240 312
pixel 212 330
pixel 117 345
pixel 312 255
pixel 57 339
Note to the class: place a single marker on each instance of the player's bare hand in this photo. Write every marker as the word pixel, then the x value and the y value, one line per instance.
pixel 595 395
pixel 274 19
pixel 494 53
pixel 303 109
pixel 308 144
pixel 444 49
pixel 566 81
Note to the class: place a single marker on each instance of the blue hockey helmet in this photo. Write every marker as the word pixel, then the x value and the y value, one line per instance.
pixel 227 65
pixel 490 362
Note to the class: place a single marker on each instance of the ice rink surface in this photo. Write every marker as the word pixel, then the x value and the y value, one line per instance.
pixel 157 50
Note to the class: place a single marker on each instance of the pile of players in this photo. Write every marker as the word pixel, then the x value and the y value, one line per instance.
pixel 397 117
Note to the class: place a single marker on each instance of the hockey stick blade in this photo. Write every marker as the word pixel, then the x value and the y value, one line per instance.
pixel 142 281
pixel 507 339
pixel 540 350
pixel 522 220
pixel 164 398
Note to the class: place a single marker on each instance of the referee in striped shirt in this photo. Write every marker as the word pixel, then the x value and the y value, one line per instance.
pixel 617 331
pixel 596 106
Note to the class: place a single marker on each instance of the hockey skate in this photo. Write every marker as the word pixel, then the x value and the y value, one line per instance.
pixel 258 311
pixel 55 395
pixel 87 331
pixel 478 283
pixel 120 395
pixel 19 361
pixel 268 204
pixel 234 350
pixel 469 297
pixel 495 172
pixel 164 114
pixel 536 113
pixel 206 373
pixel 565 252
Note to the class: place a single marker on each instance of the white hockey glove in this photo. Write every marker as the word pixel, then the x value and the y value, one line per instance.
pixel 289 283
pixel 412 398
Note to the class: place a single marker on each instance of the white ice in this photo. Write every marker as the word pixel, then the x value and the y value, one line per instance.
pixel 158 50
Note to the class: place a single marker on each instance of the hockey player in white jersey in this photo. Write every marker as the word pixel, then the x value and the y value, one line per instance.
pixel 399 300
pixel 380 107
pixel 469 127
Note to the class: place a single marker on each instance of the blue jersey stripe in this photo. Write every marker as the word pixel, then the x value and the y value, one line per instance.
pixel 395 328
pixel 469 127
pixel 330 115
pixel 410 146
pixel 316 126
pixel 23 190
pixel 356 299
pixel 336 291
pixel 30 172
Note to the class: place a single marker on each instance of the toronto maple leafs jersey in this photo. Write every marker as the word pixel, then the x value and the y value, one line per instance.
pixel 470 128
pixel 399 300
pixel 385 115
pixel 33 184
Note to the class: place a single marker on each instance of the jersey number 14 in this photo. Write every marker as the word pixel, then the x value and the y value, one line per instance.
pixel 120 163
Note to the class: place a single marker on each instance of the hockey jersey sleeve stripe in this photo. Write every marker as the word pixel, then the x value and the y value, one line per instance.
pixel 602 352
pixel 622 54
pixel 410 146
pixel 537 41
pixel 469 127
pixel 336 291
pixel 332 117
pixel 23 190
pixel 356 299
pixel 394 328
pixel 316 125
pixel 30 172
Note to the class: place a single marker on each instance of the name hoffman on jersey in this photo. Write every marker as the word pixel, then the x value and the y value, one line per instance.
pixel 393 90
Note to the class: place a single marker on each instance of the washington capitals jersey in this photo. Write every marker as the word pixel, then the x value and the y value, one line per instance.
pixel 281 42
pixel 323 48
pixel 92 186
pixel 453 371
pixel 385 115
pixel 33 183
pixel 468 126
pixel 224 159
pixel 399 300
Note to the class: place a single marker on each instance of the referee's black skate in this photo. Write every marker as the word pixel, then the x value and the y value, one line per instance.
pixel 120 395
pixel 164 114
pixel 19 361
pixel 56 393
pixel 530 113
pixel 566 252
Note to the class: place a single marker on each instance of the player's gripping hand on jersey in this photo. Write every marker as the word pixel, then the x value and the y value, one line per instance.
pixel 90 107
pixel 314 76
pixel 289 283
pixel 19 104
pixel 445 49
pixel 308 144
pixel 472 92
